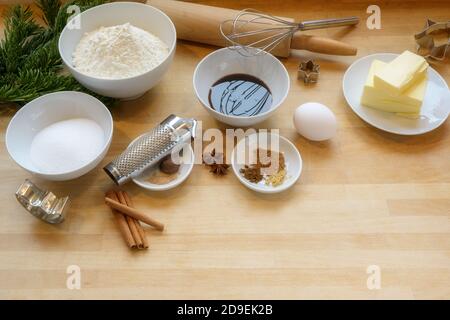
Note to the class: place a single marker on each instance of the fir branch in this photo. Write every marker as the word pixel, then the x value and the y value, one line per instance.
pixel 30 64
pixel 20 28
pixel 46 57
pixel 33 83
pixel 50 9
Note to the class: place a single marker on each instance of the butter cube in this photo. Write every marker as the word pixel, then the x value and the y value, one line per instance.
pixel 401 73
pixel 408 102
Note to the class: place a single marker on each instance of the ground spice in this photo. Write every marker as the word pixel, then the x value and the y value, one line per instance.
pixel 167 166
pixel 276 179
pixel 166 172
pixel 161 178
pixel 263 169
pixel 252 173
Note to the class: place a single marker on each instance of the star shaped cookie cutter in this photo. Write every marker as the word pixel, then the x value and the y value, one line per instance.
pixel 425 40
pixel 42 204
pixel 308 71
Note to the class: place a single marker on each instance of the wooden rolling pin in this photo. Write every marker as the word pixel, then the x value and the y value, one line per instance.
pixel 200 23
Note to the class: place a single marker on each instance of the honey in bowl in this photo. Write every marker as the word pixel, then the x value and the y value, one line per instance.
pixel 240 95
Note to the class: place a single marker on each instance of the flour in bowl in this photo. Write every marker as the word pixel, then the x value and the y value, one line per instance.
pixel 117 52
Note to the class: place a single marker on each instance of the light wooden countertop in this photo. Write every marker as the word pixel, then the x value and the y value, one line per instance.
pixel 364 198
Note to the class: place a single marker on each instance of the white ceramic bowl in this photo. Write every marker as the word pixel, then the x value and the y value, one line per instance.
pixel 140 15
pixel 225 62
pixel 186 166
pixel 249 144
pixel 46 110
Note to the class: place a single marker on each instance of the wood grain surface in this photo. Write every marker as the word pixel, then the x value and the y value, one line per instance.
pixel 364 198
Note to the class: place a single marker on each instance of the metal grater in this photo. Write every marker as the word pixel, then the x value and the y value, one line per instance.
pixel 150 148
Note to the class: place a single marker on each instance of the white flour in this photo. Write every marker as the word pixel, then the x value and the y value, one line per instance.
pixel 66 145
pixel 118 52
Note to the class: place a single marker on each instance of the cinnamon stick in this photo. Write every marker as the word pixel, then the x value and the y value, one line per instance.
pixel 139 234
pixel 122 222
pixel 141 231
pixel 134 213
pixel 131 223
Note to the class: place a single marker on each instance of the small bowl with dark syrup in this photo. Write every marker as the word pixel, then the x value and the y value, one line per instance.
pixel 239 90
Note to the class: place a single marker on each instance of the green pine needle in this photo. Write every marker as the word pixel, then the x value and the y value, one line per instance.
pixel 50 9
pixel 30 64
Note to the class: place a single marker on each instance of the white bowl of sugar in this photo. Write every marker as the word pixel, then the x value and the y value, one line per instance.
pixel 60 136
pixel 119 49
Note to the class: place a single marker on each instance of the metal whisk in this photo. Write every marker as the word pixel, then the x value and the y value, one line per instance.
pixel 253 32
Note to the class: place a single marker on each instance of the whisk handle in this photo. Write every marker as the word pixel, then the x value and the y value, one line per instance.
pixel 328 23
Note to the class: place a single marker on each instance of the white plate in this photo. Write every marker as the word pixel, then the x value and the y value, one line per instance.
pixel 292 157
pixel 435 108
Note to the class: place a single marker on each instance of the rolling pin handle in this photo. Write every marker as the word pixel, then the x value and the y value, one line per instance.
pixel 322 45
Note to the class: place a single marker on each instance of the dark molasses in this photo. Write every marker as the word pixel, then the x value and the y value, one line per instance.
pixel 240 95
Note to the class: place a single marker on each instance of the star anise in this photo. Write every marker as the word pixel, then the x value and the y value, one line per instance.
pixel 215 161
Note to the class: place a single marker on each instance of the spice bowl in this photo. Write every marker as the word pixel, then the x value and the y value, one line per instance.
pixel 268 141
pixel 226 62
pixel 144 180
pixel 139 15
pixel 78 151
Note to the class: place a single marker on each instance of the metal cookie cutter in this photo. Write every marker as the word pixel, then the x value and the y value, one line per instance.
pixel 425 40
pixel 42 204
pixel 308 71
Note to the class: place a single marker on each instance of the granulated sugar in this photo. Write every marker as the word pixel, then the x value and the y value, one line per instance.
pixel 118 52
pixel 66 145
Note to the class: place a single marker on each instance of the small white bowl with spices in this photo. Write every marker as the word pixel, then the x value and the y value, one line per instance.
pixel 266 162
pixel 163 177
pixel 119 49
